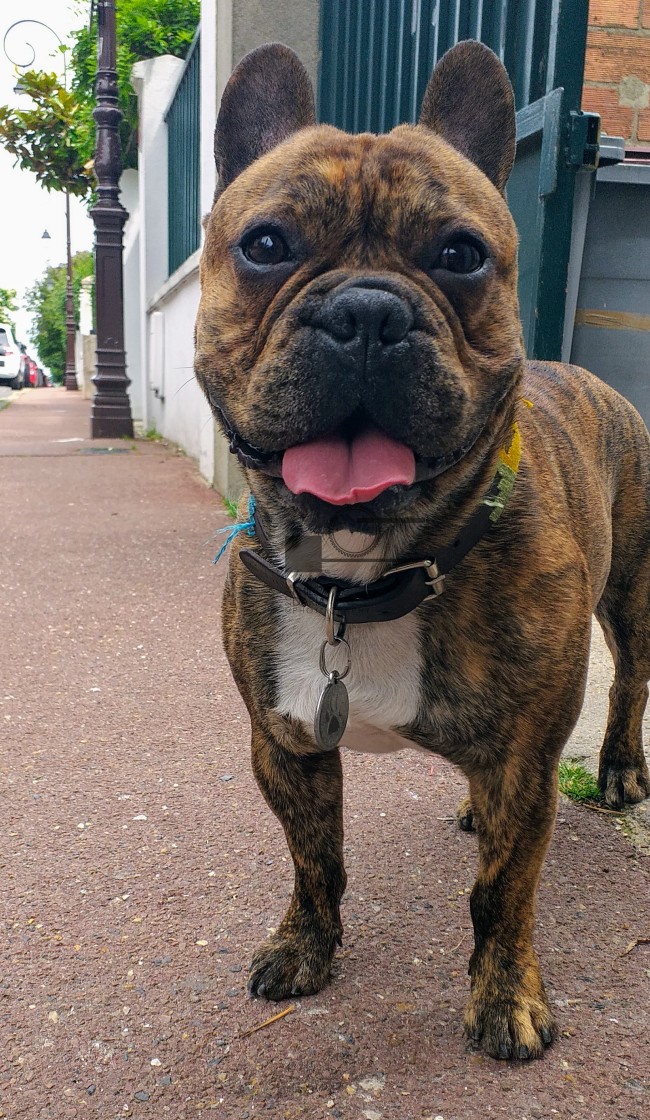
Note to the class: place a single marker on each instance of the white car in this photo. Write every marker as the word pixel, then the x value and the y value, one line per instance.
pixel 11 368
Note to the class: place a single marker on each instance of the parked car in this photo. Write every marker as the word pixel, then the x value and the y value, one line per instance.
pixel 10 365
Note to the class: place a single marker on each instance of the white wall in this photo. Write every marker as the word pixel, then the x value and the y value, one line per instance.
pixel 154 82
pixel 129 192
pixel 179 409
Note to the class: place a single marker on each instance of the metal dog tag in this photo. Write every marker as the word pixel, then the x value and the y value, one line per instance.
pixel 331 713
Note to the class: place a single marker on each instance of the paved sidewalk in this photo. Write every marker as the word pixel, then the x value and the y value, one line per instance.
pixel 140 865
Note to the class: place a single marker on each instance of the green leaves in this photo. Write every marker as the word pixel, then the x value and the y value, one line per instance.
pixel 145 29
pixel 46 303
pixel 8 306
pixel 46 136
pixel 54 137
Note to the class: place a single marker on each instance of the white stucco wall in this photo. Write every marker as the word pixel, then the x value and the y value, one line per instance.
pixel 179 410
pixel 154 82
pixel 129 197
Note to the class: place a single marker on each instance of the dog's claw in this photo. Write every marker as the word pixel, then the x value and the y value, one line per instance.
pixel 625 786
pixel 504 1051
pixel 547 1037
pixel 288 965
pixel 523 1054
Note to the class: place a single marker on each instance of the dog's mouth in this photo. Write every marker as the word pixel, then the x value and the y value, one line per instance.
pixel 352 465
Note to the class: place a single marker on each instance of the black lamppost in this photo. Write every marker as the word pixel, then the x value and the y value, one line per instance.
pixel 70 320
pixel 111 408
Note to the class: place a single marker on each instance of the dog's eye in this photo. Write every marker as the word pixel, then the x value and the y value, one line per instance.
pixel 265 247
pixel 461 257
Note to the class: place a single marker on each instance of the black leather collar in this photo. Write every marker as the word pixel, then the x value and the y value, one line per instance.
pixel 400 590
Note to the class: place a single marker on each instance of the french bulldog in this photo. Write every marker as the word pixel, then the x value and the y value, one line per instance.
pixel 433 519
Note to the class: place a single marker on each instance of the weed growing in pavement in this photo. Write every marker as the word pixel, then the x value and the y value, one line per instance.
pixel 231 507
pixel 577 782
pixel 152 434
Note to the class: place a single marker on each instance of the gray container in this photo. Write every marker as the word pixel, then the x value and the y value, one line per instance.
pixel 611 334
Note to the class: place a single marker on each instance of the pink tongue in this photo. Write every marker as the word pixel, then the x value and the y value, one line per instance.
pixel 342 472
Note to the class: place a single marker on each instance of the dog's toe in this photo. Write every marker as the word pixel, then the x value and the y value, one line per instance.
pixel 510 1021
pixel 465 816
pixel 625 786
pixel 286 966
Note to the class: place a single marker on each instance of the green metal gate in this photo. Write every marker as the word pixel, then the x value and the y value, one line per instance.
pixel 376 59
pixel 183 168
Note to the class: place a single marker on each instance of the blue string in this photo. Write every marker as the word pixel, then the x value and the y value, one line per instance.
pixel 247 526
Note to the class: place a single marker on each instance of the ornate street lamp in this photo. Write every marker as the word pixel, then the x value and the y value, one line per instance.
pixel 70 320
pixel 111 408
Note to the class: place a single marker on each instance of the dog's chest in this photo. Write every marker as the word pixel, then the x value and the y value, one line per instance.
pixel 383 683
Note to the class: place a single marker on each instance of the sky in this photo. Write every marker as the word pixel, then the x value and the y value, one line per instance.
pixel 26 210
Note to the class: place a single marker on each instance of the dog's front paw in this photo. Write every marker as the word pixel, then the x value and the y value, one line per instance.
pixel 508 1021
pixel 465 816
pixel 624 785
pixel 291 963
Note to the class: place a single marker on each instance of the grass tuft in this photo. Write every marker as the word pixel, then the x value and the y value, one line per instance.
pixel 231 507
pixel 577 782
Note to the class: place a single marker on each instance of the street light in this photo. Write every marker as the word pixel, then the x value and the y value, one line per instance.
pixel 70 320
pixel 110 417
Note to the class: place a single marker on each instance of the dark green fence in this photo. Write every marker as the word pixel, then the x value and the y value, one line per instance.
pixel 183 136
pixel 378 54
pixel 376 59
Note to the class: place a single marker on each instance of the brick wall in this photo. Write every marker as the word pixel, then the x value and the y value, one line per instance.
pixel 617 68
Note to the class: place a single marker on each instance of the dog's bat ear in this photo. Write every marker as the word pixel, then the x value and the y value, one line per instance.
pixel 470 103
pixel 268 97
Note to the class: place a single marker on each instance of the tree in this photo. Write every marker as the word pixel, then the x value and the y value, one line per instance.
pixel 55 137
pixel 145 29
pixel 49 136
pixel 8 307
pixel 45 300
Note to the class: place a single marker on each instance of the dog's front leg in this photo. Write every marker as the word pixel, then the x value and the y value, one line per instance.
pixel 305 791
pixel 514 810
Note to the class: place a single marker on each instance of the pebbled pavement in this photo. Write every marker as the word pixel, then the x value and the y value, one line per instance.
pixel 140 865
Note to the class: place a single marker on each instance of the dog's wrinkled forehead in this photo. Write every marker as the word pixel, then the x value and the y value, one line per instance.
pixel 401 186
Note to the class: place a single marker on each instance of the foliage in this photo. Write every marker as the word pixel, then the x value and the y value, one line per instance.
pixel 231 507
pixel 55 136
pixel 46 302
pixel 577 782
pixel 145 29
pixel 50 136
pixel 8 307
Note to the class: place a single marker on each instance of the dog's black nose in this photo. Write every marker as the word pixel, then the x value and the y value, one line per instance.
pixel 367 313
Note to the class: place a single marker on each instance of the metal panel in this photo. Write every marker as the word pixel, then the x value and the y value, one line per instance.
pixel 376 59
pixel 612 331
pixel 183 167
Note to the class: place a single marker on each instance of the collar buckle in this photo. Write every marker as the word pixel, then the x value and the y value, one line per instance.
pixel 436 581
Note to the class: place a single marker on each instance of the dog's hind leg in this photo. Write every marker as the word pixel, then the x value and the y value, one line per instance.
pixel 305 791
pixel 624 614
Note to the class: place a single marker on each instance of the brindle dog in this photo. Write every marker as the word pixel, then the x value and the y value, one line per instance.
pixel 359 339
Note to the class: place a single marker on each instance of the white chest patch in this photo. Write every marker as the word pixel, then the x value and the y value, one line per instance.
pixel 383 682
